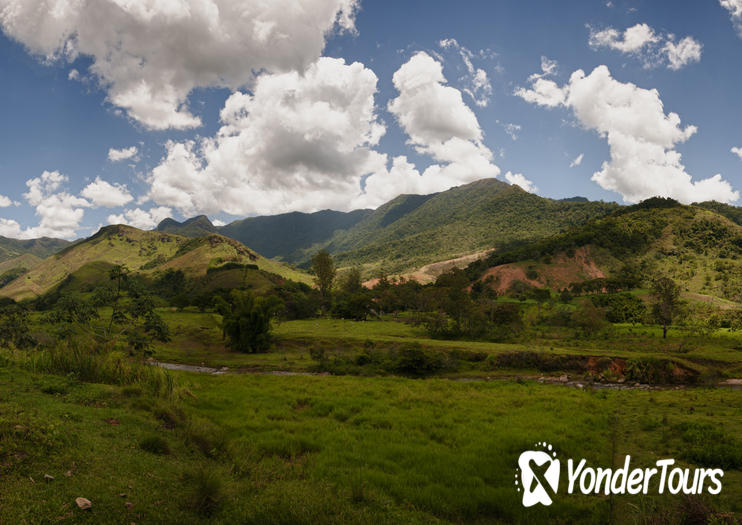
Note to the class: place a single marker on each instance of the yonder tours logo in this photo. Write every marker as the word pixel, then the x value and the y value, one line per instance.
pixel 538 472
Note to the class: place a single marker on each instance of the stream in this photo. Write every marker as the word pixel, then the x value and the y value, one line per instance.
pixel 562 380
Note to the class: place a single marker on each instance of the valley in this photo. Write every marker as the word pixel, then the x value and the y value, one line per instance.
pixel 337 390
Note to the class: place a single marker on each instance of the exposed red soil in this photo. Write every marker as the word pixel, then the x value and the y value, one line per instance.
pixel 560 273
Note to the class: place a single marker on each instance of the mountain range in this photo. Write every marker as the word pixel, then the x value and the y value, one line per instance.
pixel 504 233
pixel 409 231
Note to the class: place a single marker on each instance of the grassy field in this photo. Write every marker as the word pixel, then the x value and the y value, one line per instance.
pixel 364 442
pixel 271 449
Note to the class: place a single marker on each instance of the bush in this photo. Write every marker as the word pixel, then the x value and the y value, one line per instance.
pixel 412 360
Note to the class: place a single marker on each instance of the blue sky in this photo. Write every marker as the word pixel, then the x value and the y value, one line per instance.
pixel 344 104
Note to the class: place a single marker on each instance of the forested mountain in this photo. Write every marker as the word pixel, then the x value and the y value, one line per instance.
pixel 411 231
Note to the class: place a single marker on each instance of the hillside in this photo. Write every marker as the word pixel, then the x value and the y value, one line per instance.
pixel 699 248
pixel 143 251
pixel 286 236
pixel 42 248
pixel 27 261
pixel 412 231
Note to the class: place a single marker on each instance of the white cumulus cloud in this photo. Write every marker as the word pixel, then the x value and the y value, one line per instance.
pixel 59 212
pixel 102 193
pixel 307 142
pixel 632 40
pixel 683 53
pixel 735 12
pixel 142 219
pixel 577 161
pixel 440 125
pixel 520 180
pixel 641 137
pixel 5 202
pixel 116 155
pixel 652 48
pixel 299 142
pixel 737 151
pixel 149 55
pixel 10 228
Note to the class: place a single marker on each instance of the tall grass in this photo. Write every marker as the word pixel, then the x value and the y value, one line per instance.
pixel 86 363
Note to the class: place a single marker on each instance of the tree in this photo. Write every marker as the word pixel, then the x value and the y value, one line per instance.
pixel 666 298
pixel 246 320
pixel 324 270
pixel 589 318
pixel 70 313
pixel 351 282
pixel 135 319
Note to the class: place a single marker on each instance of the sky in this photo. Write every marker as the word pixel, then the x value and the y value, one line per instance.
pixel 131 111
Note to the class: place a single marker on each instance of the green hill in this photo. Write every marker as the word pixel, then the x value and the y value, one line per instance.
pixel 699 248
pixel 412 231
pixel 42 248
pixel 148 252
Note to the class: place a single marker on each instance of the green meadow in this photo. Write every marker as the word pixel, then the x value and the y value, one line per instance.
pixel 275 449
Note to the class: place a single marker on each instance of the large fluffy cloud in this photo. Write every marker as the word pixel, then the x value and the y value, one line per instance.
pixel 652 48
pixel 735 11
pixel 102 193
pixel 439 125
pixel 306 142
pixel 298 142
pixel 641 137
pixel 150 54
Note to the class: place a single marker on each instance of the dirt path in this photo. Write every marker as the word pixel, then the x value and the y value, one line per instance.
pixel 563 380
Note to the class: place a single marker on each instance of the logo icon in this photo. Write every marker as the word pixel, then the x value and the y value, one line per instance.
pixel 537 475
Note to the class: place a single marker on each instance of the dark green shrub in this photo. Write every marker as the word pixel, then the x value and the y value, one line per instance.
pixel 412 360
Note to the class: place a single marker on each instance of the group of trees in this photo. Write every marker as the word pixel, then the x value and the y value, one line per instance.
pixel 131 317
